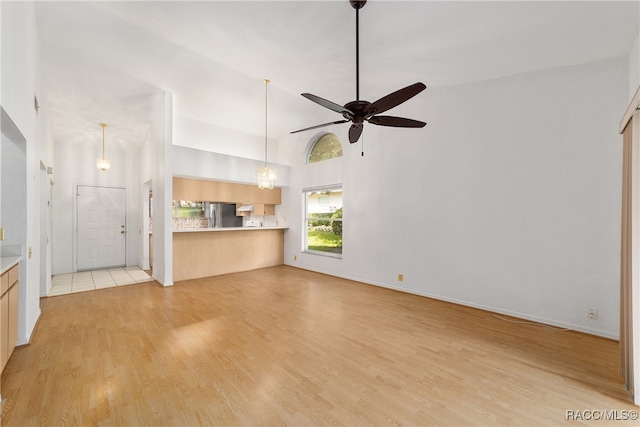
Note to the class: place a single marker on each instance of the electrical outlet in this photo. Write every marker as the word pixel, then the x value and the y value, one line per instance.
pixel 295 257
pixel 400 277
pixel 592 313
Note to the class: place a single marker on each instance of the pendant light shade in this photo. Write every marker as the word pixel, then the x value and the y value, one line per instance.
pixel 103 163
pixel 266 174
pixel 266 177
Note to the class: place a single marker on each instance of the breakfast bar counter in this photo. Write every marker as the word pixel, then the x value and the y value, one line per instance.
pixel 204 230
pixel 204 252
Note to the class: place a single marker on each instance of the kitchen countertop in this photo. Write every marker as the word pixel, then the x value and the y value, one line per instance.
pixel 197 230
pixel 6 262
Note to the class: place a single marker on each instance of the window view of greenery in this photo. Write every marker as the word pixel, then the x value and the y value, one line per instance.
pixel 324 221
pixel 327 147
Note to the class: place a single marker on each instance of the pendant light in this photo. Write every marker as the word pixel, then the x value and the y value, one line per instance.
pixel 103 163
pixel 266 175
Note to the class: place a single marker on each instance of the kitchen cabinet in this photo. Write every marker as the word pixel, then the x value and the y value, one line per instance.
pixel 225 192
pixel 263 209
pixel 4 330
pixel 9 289
pixel 13 320
pixel 243 209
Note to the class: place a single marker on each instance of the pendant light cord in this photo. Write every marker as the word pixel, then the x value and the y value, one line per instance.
pixel 103 126
pixel 266 84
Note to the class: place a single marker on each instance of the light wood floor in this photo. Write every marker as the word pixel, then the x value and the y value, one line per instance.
pixel 286 346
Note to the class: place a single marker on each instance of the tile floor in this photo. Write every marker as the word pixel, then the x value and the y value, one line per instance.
pixel 62 284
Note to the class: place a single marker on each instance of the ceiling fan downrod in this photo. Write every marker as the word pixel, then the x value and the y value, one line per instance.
pixel 357 5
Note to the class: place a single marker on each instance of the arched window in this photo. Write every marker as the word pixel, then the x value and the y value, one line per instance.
pixel 325 148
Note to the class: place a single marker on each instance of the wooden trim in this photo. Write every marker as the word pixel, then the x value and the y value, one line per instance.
pixel 634 305
pixel 630 262
pixel 634 105
pixel 625 262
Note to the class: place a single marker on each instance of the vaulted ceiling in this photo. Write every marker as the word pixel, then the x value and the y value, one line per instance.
pixel 101 60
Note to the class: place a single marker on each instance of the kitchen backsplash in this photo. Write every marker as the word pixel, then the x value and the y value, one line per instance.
pixel 185 223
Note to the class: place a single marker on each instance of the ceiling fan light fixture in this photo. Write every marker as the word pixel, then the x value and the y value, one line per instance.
pixel 103 163
pixel 267 175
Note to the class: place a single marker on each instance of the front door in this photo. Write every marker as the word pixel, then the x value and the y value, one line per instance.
pixel 101 227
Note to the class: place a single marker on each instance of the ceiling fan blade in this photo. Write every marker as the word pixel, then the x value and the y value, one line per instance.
pixel 396 98
pixel 328 104
pixel 319 126
pixel 354 132
pixel 398 122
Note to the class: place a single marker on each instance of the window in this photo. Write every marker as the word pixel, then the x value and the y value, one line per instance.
pixel 323 221
pixel 325 148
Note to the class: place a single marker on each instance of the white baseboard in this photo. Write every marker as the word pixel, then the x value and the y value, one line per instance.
pixel 524 316
pixel 27 338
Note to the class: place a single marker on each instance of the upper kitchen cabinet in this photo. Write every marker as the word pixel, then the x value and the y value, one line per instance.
pixel 226 192
pixel 263 209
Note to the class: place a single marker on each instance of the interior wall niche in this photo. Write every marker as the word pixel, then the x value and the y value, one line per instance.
pixel 13 205
pixel 13 188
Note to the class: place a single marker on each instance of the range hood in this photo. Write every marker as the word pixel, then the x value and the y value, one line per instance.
pixel 245 208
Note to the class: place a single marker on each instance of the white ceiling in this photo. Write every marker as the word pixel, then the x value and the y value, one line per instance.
pixel 102 60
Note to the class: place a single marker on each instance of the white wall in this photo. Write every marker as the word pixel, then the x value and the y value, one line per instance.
pixel 21 80
pixel 76 165
pixel 204 136
pixel 189 162
pixel 159 159
pixel 508 200
pixel 634 68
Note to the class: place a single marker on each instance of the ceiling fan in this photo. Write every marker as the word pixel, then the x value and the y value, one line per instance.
pixel 359 111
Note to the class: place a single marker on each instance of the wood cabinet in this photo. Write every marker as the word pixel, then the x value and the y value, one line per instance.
pixel 9 289
pixel 212 253
pixel 256 209
pixel 263 209
pixel 4 330
pixel 225 192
